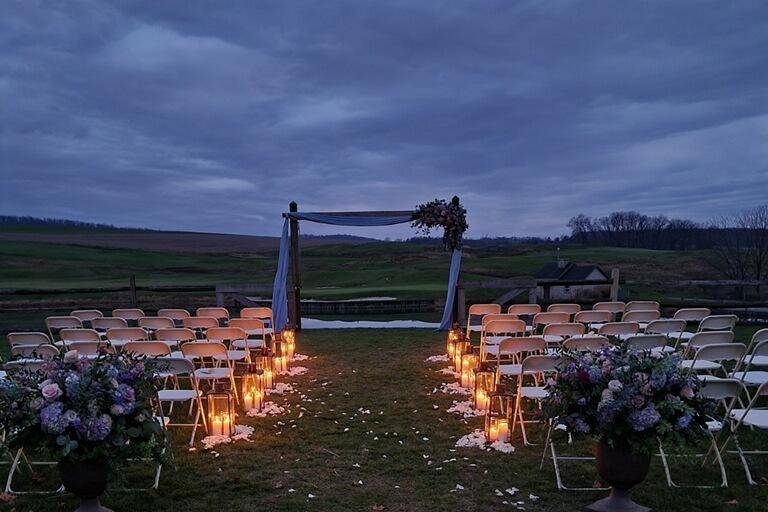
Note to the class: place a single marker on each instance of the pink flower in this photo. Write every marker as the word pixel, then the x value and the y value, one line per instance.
pixel 51 391
pixel 687 392
pixel 71 356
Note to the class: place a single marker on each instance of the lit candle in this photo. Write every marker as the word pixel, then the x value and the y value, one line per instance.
pixel 467 378
pixel 217 426
pixel 225 424
pixel 268 379
pixel 503 430
pixel 451 349
pixel 248 400
pixel 257 398
pixel 482 400
pixel 493 431
pixel 457 361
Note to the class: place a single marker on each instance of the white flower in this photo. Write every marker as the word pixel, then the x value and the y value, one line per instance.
pixel 615 385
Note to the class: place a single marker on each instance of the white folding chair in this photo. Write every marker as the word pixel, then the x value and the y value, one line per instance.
pixel 92 349
pixel 752 416
pixel 541 320
pixel 511 352
pixel 555 334
pixel 479 310
pixel 130 315
pixel 646 342
pixel 220 314
pixel 68 336
pixel 255 330
pixel 147 348
pixel 672 329
pixel 212 363
pixel 28 338
pixel 710 358
pixel 54 324
pixel 103 324
pixel 726 392
pixel 260 313
pixel 153 323
pixel 497 330
pixel 227 336
pixel 86 316
pixel 757 338
pixel 587 343
pixel 175 337
pixel 700 339
pixel 121 336
pixel 593 320
pixel 177 315
pixel 619 330
pixel 537 367
pixel 524 312
pixel 200 324
pixel 751 377
pixel 180 367
pixel 641 316
pixel 616 308
pixel 42 351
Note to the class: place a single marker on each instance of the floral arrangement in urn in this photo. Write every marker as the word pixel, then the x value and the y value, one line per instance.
pixel 629 398
pixel 628 401
pixel 90 414
pixel 451 216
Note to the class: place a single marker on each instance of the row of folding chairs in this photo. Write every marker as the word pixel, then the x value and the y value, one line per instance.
pixel 165 318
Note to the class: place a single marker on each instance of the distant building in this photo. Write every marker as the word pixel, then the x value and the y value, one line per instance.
pixel 562 270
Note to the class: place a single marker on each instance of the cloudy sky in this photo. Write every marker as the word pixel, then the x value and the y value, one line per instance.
pixel 212 117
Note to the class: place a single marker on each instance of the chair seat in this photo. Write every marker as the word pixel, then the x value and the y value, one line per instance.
pixel 494 340
pixel 699 364
pixel 535 392
pixel 164 420
pixel 491 350
pixel 666 349
pixel 714 426
pixel 177 395
pixel 120 343
pixel 213 373
pixel 510 369
pixel 685 335
pixel 596 325
pixel 250 343
pixel 3 374
pixel 552 338
pixel 475 328
pixel 260 332
pixel 755 417
pixel 751 378
pixel 757 360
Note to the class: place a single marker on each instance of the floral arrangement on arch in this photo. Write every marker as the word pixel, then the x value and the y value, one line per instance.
pixel 628 399
pixel 84 410
pixel 451 216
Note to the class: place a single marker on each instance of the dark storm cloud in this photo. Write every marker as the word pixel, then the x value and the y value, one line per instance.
pixel 214 116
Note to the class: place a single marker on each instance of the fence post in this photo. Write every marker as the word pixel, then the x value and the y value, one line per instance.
pixel 615 284
pixel 295 268
pixel 219 297
pixel 134 298
pixel 461 304
pixel 533 295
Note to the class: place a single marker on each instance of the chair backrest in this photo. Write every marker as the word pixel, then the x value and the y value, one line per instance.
pixel 641 315
pixel 587 344
pixel 43 351
pixel 718 323
pixel 248 324
pixel 646 342
pixel 177 365
pixel 63 322
pixel 618 328
pixel 564 329
pixel 524 309
pixel 156 322
pixel 513 346
pixel 613 307
pixel 200 322
pixel 261 313
pixel 70 335
pixel 701 339
pixel 177 334
pixel 91 348
pixel 571 309
pixel 86 315
pixel 127 334
pixel 758 337
pixel 504 327
pixel 593 317
pixel 551 318
pixel 27 338
pixel 128 313
pixel 225 334
pixel 213 312
pixel 665 327
pixel 721 389
pixel 202 349
pixel 692 314
pixel 721 352
pixel 174 314
pixel 641 305
pixel 108 322
pixel 147 348
pixel 484 309
pixel 541 364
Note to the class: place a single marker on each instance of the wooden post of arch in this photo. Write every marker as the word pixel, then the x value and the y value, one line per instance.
pixel 295 317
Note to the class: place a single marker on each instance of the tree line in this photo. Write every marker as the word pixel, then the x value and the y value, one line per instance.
pixel 738 243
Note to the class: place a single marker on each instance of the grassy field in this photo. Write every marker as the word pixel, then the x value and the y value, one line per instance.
pixel 406 270
pixel 400 457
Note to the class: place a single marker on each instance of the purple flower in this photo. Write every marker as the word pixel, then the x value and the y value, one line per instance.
pixel 595 374
pixel 51 418
pixel 683 422
pixel 581 426
pixel 51 391
pixel 644 418
pixel 99 428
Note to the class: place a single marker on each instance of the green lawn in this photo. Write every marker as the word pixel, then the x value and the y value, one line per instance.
pixel 404 270
pixel 401 456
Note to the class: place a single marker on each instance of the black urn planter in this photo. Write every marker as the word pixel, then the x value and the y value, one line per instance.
pixel 87 480
pixel 623 470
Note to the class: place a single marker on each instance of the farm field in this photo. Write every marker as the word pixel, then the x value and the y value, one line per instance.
pixel 327 453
